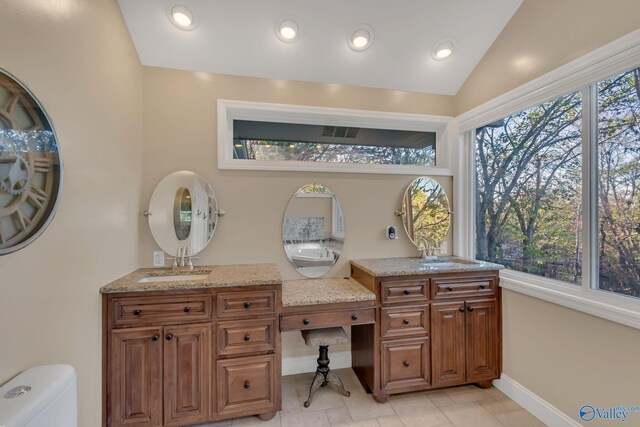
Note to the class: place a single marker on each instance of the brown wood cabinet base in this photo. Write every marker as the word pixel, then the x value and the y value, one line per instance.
pixel 267 416
pixel 484 385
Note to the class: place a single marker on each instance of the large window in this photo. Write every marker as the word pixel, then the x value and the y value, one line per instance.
pixel 529 186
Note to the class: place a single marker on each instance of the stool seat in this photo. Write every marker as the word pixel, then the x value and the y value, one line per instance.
pixel 326 336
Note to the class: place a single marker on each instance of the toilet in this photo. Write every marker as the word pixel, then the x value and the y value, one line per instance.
pixel 43 396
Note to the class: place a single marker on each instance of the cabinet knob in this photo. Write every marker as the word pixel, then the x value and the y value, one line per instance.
pixel 246 385
pixel 247 337
pixel 137 312
pixel 405 363
pixel 449 288
pixel 155 337
pixel 169 337
pixel 187 309
pixel 405 321
pixel 482 286
pixel 470 308
pixel 354 317
pixel 406 292
pixel 247 304
pixel 305 321
pixel 461 309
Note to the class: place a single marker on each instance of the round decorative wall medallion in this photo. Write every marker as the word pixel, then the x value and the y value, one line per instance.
pixel 30 166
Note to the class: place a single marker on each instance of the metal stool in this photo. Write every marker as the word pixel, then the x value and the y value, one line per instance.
pixel 323 338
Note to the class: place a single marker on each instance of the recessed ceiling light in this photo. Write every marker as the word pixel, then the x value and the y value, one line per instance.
pixel 182 17
pixel 361 39
pixel 443 50
pixel 287 30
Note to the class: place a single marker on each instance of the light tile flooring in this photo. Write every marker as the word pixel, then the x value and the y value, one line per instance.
pixel 465 406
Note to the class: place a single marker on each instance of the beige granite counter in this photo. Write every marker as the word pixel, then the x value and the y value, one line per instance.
pixel 414 266
pixel 217 276
pixel 323 291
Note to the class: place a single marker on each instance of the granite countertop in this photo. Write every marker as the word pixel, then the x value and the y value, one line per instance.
pixel 323 291
pixel 217 276
pixel 414 266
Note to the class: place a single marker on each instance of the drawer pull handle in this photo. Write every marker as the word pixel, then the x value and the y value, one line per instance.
pixel 461 309
pixel 247 337
pixel 406 291
pixel 405 321
pixel 247 304
pixel 470 308
pixel 246 385
pixel 449 288
pixel 305 321
pixel 482 286
pixel 406 364
pixel 354 317
pixel 169 337
pixel 155 337
pixel 137 312
pixel 187 309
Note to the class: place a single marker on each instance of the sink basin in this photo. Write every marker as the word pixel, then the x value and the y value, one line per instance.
pixel 172 278
pixel 441 264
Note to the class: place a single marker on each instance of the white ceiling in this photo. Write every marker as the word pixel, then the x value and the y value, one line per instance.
pixel 238 37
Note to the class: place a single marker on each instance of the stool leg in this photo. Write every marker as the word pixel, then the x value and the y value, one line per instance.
pixel 339 385
pixel 323 363
pixel 315 386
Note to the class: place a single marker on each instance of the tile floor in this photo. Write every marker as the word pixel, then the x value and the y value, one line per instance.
pixel 465 406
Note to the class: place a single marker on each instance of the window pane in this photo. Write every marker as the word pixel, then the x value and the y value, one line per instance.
pixel 619 184
pixel 528 190
pixel 253 140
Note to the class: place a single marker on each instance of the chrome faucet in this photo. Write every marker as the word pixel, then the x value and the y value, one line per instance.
pixel 427 248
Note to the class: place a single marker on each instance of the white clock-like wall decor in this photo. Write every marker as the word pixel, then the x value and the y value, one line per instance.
pixel 30 166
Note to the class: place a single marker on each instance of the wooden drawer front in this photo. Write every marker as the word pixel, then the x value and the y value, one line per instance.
pixel 246 384
pixel 461 287
pixel 405 363
pixel 404 321
pixel 161 309
pixel 248 303
pixel 327 319
pixel 404 291
pixel 246 336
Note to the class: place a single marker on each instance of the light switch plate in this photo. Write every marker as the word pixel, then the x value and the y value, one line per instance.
pixel 158 259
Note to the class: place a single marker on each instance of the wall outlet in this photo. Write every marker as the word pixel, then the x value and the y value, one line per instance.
pixel 158 259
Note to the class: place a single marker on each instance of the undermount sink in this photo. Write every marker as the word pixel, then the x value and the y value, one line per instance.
pixel 172 278
pixel 444 263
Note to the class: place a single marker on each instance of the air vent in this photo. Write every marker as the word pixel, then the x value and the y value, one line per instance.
pixel 340 132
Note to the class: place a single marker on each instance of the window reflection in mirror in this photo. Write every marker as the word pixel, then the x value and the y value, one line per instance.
pixel 182 213
pixel 426 213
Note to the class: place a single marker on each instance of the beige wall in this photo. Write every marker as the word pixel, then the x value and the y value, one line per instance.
pixel 541 36
pixel 77 58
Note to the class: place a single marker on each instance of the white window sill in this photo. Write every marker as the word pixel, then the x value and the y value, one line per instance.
pixel 607 305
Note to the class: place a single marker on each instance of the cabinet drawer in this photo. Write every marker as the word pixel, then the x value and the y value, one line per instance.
pixel 246 336
pixel 404 321
pixel 250 303
pixel 246 385
pixel 404 291
pixel 461 287
pixel 161 309
pixel 405 363
pixel 327 319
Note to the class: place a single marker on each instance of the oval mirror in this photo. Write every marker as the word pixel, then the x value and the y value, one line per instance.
pixel 182 213
pixel 313 230
pixel 426 214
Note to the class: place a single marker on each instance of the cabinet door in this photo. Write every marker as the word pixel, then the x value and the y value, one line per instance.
pixel 448 348
pixel 186 373
pixel 405 364
pixel 482 340
pixel 135 363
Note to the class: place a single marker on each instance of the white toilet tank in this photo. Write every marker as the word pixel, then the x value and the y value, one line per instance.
pixel 44 396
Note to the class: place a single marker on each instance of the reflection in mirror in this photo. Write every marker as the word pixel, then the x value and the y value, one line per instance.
pixel 313 230
pixel 425 207
pixel 182 213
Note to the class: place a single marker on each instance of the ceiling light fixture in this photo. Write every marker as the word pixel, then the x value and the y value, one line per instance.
pixel 287 30
pixel 182 18
pixel 361 39
pixel 443 50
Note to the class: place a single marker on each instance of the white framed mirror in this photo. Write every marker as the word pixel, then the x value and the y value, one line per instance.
pixel 183 213
pixel 426 213
pixel 313 230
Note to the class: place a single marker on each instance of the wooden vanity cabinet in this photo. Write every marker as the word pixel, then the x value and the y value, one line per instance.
pixel 432 331
pixel 171 359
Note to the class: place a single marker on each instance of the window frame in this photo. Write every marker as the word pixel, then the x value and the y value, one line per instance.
pixel 581 75
pixel 230 110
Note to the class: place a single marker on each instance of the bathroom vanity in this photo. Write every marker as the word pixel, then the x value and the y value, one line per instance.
pixel 184 347
pixel 438 325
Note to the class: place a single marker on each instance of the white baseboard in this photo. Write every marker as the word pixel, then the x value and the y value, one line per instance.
pixel 540 408
pixel 302 364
